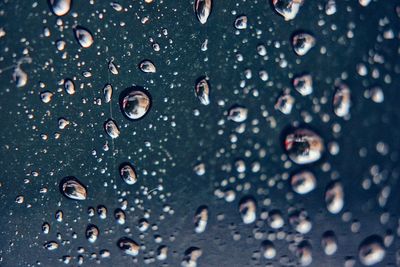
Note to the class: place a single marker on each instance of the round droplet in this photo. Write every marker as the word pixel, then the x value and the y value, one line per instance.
pixel 202 9
pixel 303 84
pixel 302 43
pixel 111 128
pixel 92 232
pixel 73 188
pixel 128 246
pixel 334 197
pixel 83 36
pixel 147 66
pixel 237 113
pixel 202 91
pixel 268 250
pixel 241 22
pixel 128 174
pixel 60 7
pixel 303 146
pixel 342 100
pixel 135 103
pixel 287 8
pixel 303 182
pixel 371 250
pixel 275 219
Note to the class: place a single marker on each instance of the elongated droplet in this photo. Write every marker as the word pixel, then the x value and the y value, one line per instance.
pixel 83 36
pixel 241 22
pixel 147 66
pixel 334 197
pixel 202 91
pixel 92 232
pixel 302 43
pixel 20 77
pixel 111 128
pixel 202 9
pixel 112 67
pixel 237 113
pixel 371 250
pixel 342 100
pixel 135 103
pixel 303 146
pixel 287 8
pixel 329 243
pixel 128 246
pixel 51 245
pixel 128 174
pixel 303 84
pixel 200 219
pixel 247 209
pixel 73 188
pixel 107 93
pixel 60 7
pixel 69 87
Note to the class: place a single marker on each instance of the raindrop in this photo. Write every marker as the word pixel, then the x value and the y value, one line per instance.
pixel 303 182
pixel 304 253
pixel 120 216
pixel 202 91
pixel 241 22
pixel 92 232
pixel 202 9
pixel 128 173
pixel 342 100
pixel 268 250
pixel 111 128
pixel 52 245
pixel 83 36
pixel 329 243
pixel 285 102
pixel 147 66
pixel 287 8
pixel 200 219
pixel 303 84
pixel 334 197
pixel 135 103
pixel 69 87
pixel 237 113
pixel 128 246
pixel 72 188
pixel 20 77
pixel 247 209
pixel 60 7
pixel 112 67
pixel 107 93
pixel 46 96
pixel 302 43
pixel 303 146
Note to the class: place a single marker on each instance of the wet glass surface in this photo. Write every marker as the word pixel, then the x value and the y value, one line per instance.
pixel 214 179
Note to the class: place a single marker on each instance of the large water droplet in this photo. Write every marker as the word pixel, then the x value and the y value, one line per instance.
pixel 202 9
pixel 128 246
pixel 287 8
pixel 202 91
pixel 302 43
pixel 83 36
pixel 128 173
pixel 135 103
pixel 371 250
pixel 73 188
pixel 334 197
pixel 342 100
pixel 60 7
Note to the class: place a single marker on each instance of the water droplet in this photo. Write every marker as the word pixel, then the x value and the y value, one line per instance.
pixel 73 188
pixel 287 8
pixel 128 173
pixel 237 113
pixel 304 253
pixel 303 182
pixel 112 67
pixel 111 128
pixel 329 243
pixel 268 250
pixel 285 102
pixel 128 246
pixel 107 93
pixel 200 219
pixel 303 146
pixel 52 245
pixel 202 9
pixel 241 22
pixel 202 91
pixel 120 216
pixel 191 256
pixel 371 250
pixel 135 103
pixel 83 36
pixel 69 87
pixel 45 228
pixel 334 197
pixel 247 209
pixel 92 232
pixel 302 43
pixel 60 7
pixel 20 77
pixel 303 84
pixel 147 66
pixel 102 212
pixel 46 96
pixel 342 100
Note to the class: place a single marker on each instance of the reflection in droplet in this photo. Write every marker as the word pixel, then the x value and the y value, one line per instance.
pixel 147 66
pixel 128 174
pixel 92 232
pixel 128 246
pixel 342 100
pixel 135 104
pixel 303 146
pixel 83 36
pixel 111 128
pixel 73 188
pixel 202 9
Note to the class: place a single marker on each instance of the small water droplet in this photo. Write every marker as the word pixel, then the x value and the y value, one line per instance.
pixel 73 188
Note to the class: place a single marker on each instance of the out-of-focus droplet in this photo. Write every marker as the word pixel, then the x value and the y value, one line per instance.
pixel 364 3
pixel 147 66
pixel 59 216
pixel 241 22
pixel 107 93
pixel 304 253
pixel 334 197
pixel 83 36
pixel 92 232
pixel 135 103
pixel 20 77
pixel 237 113
pixel 287 8
pixel 120 216
pixel 102 211
pixel 202 91
pixel 192 254
pixel 371 250
pixel 60 7
pixel 73 188
pixel 46 96
pixel 116 6
pixel 303 182
pixel 128 174
pixel 376 94
pixel 202 9
pixel 45 228
pixel 247 209
pixel 162 253
pixel 111 128
pixel 302 43
pixel 329 243
pixel 342 100
pixel 275 219
pixel 200 219
pixel 112 67
pixel 303 146
pixel 303 84
pixel 268 250
pixel 300 221
pixel 330 7
pixel 52 245
pixel 128 246
pixel 69 86
pixel 285 102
